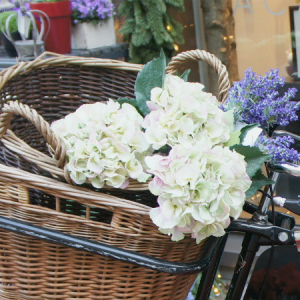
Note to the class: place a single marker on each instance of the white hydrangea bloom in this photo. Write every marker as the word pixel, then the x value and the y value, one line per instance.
pixel 181 112
pixel 105 144
pixel 198 188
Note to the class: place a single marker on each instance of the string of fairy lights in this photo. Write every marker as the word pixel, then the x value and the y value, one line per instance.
pixel 169 28
pixel 219 288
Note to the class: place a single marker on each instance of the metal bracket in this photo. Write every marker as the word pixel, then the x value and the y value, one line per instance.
pixel 114 252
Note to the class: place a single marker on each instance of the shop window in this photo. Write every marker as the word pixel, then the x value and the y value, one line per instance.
pixel 263 35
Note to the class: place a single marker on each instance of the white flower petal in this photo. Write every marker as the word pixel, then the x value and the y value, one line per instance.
pixel 78 177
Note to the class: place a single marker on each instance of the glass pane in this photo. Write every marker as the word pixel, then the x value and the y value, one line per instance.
pixel 263 34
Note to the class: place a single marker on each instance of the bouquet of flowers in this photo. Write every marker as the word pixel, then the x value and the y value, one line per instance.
pixel 91 11
pixel 256 100
pixel 174 137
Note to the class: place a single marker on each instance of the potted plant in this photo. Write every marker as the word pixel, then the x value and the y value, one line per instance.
pixel 93 24
pixel 12 29
pixel 59 12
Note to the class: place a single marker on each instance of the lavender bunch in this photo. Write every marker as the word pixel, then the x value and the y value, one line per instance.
pixel 91 10
pixel 256 99
pixel 279 148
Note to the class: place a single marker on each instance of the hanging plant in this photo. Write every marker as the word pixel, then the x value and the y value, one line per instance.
pixel 149 27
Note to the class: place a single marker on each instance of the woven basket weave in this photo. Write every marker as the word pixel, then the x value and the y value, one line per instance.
pixel 34 188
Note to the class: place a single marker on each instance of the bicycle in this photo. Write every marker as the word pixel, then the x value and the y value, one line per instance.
pixel 259 232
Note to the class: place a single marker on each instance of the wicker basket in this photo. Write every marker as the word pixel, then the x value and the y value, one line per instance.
pixel 33 189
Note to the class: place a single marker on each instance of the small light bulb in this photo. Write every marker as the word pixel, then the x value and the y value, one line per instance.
pixel 216 291
pixel 169 27
pixel 176 47
pixel 219 276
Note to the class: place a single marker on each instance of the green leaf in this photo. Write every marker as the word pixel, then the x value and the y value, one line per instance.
pixel 185 75
pixel 234 135
pixel 258 181
pixel 253 157
pixel 164 149
pixel 245 130
pixel 152 75
pixel 129 101
pixel 234 138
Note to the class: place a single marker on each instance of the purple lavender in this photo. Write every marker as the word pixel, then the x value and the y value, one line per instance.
pixel 279 148
pixel 256 99
pixel 91 10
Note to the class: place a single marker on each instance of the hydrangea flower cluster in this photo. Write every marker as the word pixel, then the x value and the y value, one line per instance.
pixel 91 10
pixel 201 182
pixel 182 113
pixel 105 144
pixel 198 188
pixel 279 148
pixel 256 99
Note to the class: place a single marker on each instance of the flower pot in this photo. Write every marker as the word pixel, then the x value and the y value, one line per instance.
pixel 59 37
pixel 29 48
pixel 89 35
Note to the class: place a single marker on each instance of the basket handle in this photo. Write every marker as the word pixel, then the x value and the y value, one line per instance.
pixel 212 60
pixel 15 108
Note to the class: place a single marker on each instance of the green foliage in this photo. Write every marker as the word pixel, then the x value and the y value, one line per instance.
pixel 149 27
pixel 254 159
pixel 246 129
pixel 152 75
pixel 185 75
pixel 129 101
pixel 176 3
pixel 258 181
pixel 253 156
pixel 176 33
pixel 13 27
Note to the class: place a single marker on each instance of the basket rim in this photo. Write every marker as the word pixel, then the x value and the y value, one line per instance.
pixel 73 192
pixel 51 59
